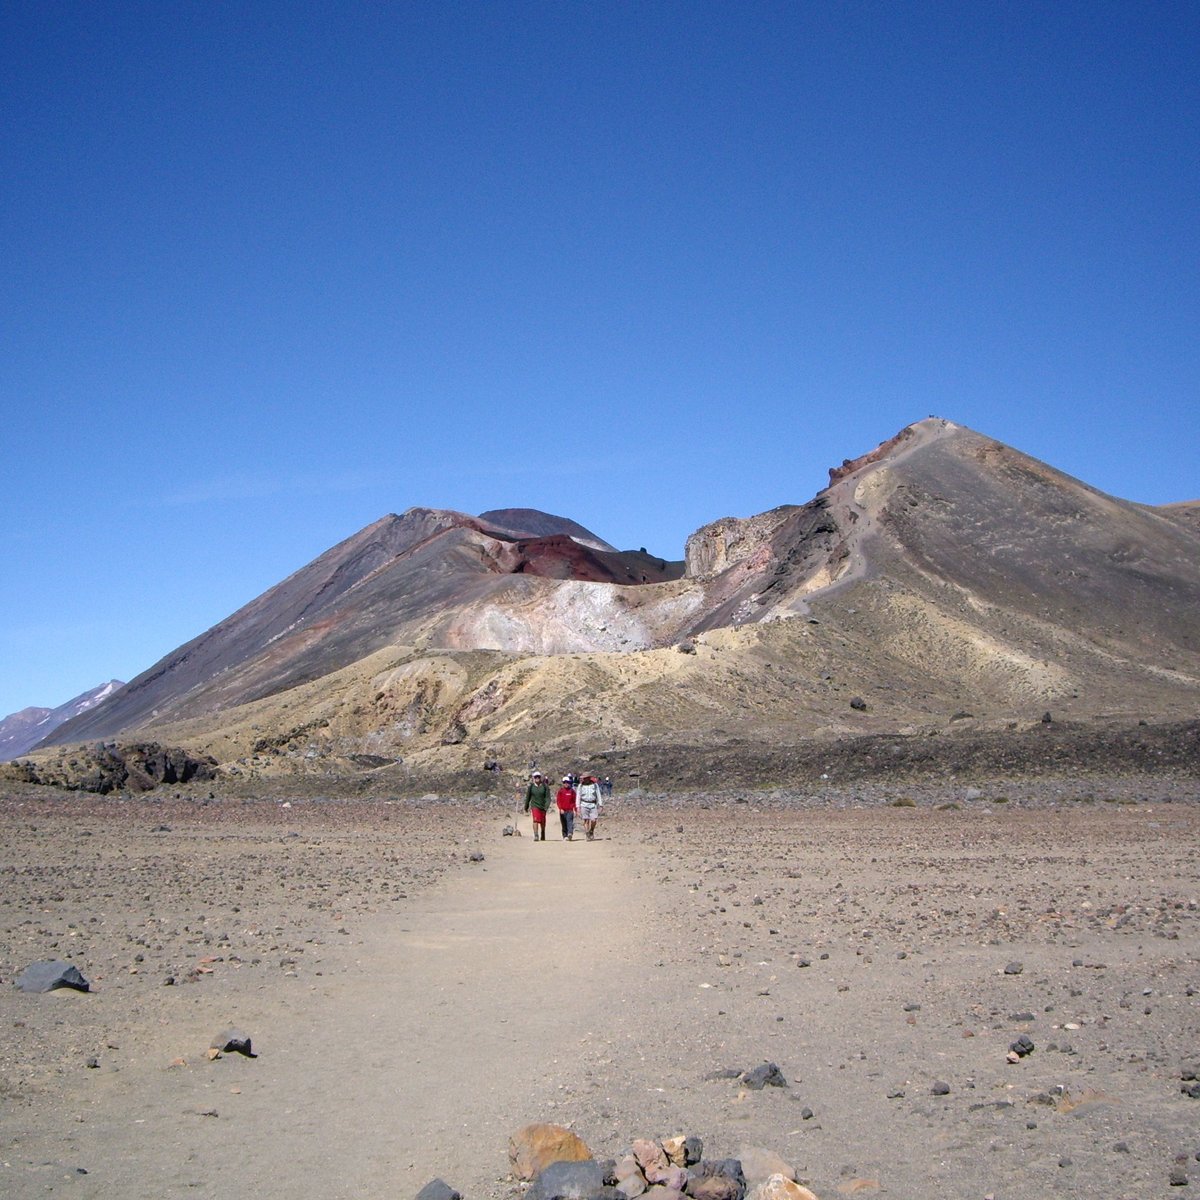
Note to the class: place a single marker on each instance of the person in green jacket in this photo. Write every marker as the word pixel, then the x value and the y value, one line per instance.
pixel 537 802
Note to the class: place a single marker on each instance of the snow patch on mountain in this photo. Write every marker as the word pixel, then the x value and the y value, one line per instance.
pixel 21 731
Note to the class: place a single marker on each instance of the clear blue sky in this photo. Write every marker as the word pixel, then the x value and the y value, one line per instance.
pixel 271 270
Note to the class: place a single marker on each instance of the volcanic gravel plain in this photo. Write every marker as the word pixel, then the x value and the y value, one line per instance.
pixel 417 986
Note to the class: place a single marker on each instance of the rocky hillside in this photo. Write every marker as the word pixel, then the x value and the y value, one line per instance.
pixel 942 583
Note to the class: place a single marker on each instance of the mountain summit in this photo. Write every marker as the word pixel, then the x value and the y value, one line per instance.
pixel 941 578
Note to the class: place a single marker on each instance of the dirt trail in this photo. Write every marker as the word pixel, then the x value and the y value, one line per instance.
pixel 456 1020
pixel 886 957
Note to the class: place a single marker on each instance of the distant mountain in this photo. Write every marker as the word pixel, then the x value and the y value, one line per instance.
pixel 941 582
pixel 21 731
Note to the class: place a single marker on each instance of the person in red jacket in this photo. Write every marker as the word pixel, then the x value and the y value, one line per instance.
pixel 566 808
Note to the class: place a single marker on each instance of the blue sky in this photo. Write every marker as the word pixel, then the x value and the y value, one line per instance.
pixel 269 271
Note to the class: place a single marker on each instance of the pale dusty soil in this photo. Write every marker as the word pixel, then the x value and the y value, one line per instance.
pixel 411 1008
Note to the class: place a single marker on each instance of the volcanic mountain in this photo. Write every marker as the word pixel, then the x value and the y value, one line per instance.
pixel 941 579
pixel 21 731
pixel 426 578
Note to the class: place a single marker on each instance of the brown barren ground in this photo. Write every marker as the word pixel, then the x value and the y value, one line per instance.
pixel 411 1008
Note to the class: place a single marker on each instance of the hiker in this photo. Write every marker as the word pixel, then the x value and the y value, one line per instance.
pixel 589 802
pixel 537 801
pixel 566 808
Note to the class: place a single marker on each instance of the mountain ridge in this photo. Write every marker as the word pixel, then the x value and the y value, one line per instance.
pixel 940 578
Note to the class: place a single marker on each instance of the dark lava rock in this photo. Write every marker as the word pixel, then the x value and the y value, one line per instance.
pixel 438 1189
pixel 108 767
pixel 858 704
pixel 51 973
pixel 233 1041
pixel 940 1088
pixel 1014 968
pixel 717 1179
pixel 766 1075
pixel 1023 1045
pixel 572 1181
pixel 368 762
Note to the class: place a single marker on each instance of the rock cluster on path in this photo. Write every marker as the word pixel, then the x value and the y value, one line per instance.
pixel 560 1166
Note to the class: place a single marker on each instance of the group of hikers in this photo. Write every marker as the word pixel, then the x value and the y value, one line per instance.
pixel 585 796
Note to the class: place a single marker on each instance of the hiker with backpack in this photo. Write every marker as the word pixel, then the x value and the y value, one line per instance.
pixel 589 802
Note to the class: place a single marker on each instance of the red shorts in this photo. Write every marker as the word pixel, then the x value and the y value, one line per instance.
pixel 539 815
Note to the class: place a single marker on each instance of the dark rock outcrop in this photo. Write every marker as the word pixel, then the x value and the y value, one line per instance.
pixel 109 767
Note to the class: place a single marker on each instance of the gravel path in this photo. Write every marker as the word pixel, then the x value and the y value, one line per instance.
pixel 412 1008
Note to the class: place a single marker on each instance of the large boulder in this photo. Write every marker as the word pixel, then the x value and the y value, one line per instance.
pixel 51 973
pixel 586 1180
pixel 534 1147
